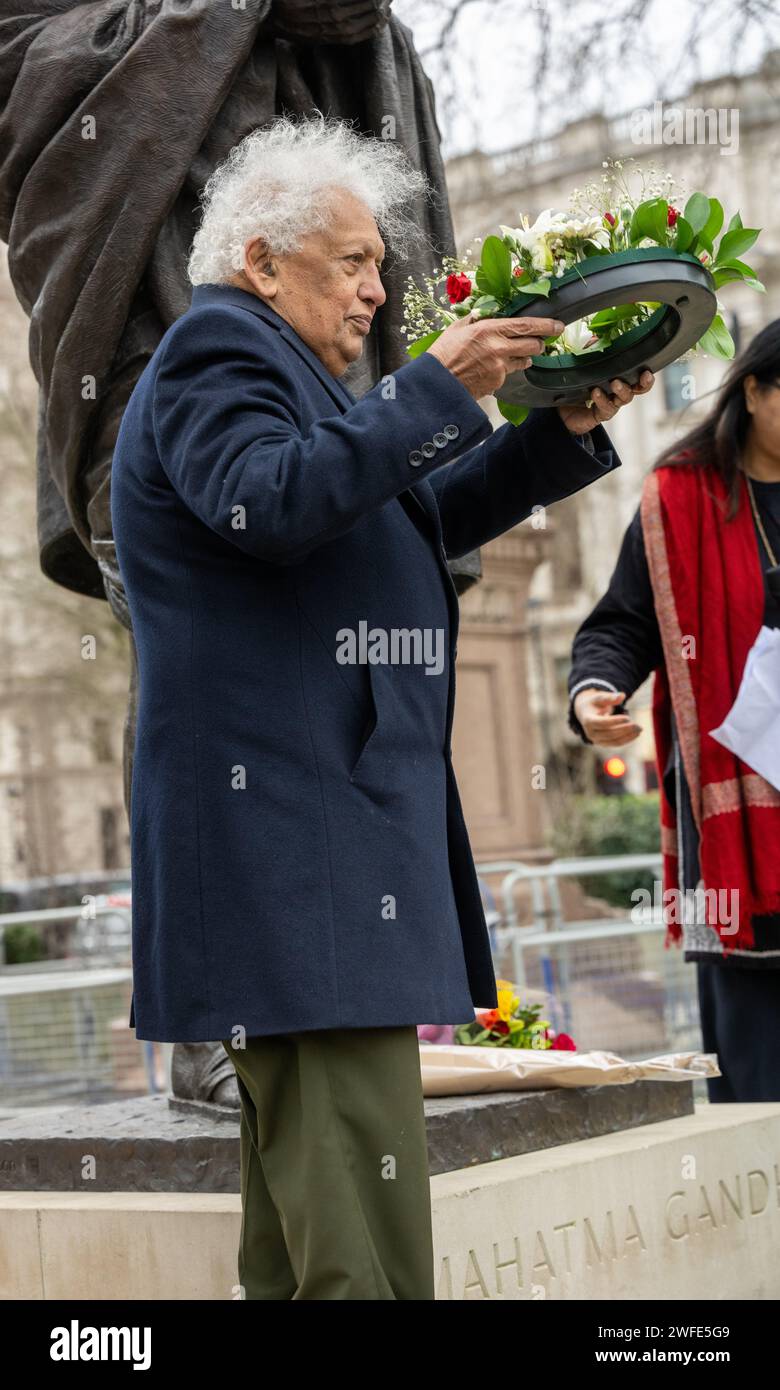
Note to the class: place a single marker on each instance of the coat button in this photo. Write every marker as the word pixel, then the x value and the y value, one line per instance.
pixel 428 449
pixel 440 440
pixel 415 458
pixel 451 431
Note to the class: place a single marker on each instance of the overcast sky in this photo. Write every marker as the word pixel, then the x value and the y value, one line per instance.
pixel 488 92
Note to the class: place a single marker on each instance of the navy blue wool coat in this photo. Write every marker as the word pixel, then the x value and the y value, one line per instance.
pixel 299 854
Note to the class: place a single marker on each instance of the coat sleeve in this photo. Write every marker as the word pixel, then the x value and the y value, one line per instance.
pixel 498 484
pixel 228 428
pixel 619 643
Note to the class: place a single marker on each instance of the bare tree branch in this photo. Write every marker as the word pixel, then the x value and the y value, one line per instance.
pixel 561 60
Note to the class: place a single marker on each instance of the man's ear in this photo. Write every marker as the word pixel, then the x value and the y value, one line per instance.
pixel 259 268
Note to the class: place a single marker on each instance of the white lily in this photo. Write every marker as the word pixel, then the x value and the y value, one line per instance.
pixel 576 337
pixel 536 239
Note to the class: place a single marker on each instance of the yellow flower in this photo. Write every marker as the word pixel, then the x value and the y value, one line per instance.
pixel 507 1003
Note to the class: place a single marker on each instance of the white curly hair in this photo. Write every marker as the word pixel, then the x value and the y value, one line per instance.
pixel 278 183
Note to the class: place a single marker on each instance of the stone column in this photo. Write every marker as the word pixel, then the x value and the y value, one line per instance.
pixel 495 743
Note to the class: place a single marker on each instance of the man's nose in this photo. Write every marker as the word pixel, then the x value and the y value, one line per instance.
pixel 373 289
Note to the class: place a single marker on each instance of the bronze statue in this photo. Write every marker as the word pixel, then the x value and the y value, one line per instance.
pixel 115 115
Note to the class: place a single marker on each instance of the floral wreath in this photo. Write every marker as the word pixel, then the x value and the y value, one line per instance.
pixel 606 219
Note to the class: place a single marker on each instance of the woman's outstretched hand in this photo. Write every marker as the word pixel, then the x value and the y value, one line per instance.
pixel 593 709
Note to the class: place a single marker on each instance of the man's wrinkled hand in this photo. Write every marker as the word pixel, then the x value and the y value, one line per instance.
pixel 579 419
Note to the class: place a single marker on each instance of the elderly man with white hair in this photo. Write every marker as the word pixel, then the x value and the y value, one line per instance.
pixel 303 885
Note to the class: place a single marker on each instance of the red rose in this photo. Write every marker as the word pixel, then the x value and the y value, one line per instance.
pixel 518 271
pixel 563 1043
pixel 610 218
pixel 458 288
pixel 671 216
pixel 501 1026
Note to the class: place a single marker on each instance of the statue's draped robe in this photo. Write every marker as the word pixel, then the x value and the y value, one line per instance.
pixel 114 115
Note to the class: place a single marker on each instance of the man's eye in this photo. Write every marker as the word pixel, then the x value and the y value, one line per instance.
pixel 356 256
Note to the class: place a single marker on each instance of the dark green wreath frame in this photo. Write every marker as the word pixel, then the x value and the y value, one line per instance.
pixel 676 280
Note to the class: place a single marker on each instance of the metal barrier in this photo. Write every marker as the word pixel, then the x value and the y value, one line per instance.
pixel 610 981
pixel 64 1033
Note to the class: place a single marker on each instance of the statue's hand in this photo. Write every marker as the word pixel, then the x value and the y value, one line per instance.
pixel 329 21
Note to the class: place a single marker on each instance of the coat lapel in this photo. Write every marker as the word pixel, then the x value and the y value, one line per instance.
pixel 331 383
pixel 243 299
pixel 231 294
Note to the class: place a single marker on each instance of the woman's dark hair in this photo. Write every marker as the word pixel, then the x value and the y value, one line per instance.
pixel 719 438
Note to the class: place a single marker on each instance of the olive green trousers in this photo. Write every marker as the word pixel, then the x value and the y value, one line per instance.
pixel 335 1191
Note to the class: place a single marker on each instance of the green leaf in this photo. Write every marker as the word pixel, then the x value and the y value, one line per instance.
pixel 735 242
pixel 736 270
pixel 684 234
pixel 650 220
pixel 515 414
pixel 481 1036
pixel 717 341
pixel 495 267
pixel 725 275
pixel 420 344
pixel 736 221
pixel 697 211
pixel 715 220
pixel 614 315
pixel 747 270
pixel 485 306
pixel 536 287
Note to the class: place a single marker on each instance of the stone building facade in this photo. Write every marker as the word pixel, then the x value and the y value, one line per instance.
pixel 63 659
pixel 518 624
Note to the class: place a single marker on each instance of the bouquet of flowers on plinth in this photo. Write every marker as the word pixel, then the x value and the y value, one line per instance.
pixel 512 1024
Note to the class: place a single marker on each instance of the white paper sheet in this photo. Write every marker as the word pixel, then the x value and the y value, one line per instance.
pixel 463 1070
pixel 751 728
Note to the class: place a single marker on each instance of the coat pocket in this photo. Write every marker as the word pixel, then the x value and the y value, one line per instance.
pixel 370 766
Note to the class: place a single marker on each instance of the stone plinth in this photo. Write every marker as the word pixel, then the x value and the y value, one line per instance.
pixel 147 1145
pixel 684 1208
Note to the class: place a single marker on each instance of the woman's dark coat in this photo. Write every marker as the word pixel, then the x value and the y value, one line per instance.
pixel 299 854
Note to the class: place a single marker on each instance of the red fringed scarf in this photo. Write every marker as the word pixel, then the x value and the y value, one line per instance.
pixel 709 600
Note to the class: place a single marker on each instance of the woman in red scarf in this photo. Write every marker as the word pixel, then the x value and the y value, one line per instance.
pixel 697 577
